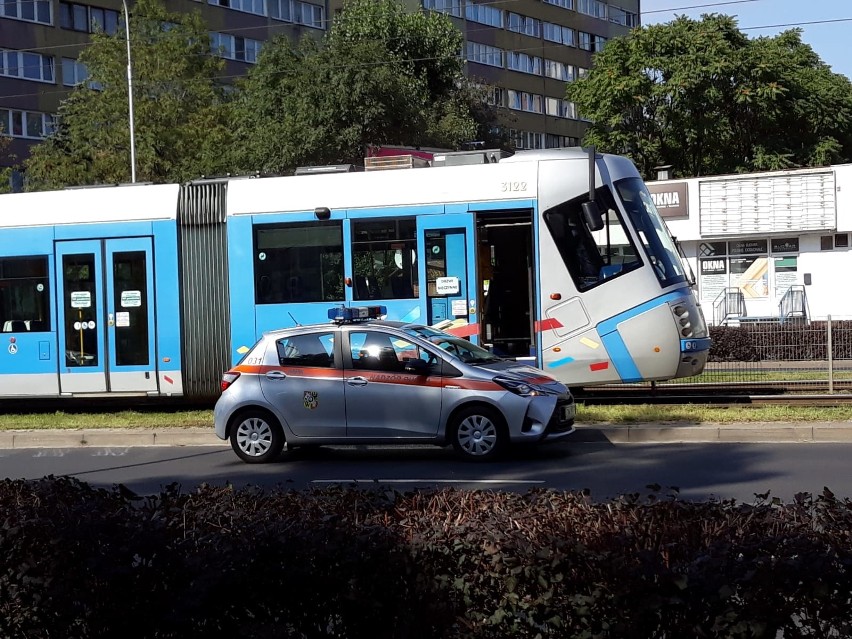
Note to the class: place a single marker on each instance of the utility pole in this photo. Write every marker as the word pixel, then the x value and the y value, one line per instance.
pixel 130 94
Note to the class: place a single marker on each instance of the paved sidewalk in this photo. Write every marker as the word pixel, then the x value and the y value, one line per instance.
pixel 771 432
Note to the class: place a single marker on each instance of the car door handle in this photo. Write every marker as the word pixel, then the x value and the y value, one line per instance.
pixel 357 381
pixel 275 375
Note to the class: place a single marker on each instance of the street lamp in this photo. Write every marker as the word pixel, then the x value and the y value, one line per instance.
pixel 130 94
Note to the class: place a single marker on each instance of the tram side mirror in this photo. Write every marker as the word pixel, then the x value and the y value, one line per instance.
pixel 592 216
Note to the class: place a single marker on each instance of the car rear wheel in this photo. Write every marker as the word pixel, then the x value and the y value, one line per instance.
pixel 257 437
pixel 478 433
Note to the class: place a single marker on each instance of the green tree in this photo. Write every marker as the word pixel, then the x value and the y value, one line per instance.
pixel 8 163
pixel 381 76
pixel 703 97
pixel 180 109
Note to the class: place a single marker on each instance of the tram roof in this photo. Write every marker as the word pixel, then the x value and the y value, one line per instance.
pixel 139 202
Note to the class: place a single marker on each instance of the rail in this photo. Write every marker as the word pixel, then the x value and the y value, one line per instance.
pixel 728 305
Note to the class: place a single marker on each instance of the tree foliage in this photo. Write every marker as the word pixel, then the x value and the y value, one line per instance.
pixel 180 119
pixel 8 160
pixel 381 76
pixel 703 97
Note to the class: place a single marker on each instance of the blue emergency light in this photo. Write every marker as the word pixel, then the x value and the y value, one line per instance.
pixel 343 314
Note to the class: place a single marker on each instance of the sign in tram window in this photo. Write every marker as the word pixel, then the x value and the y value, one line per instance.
pixel 24 295
pixel 299 262
pixel 384 257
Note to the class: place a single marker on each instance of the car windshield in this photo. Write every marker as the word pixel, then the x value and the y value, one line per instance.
pixel 455 346
pixel 652 231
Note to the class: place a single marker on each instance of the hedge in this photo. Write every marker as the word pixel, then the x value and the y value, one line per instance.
pixel 219 562
pixel 790 341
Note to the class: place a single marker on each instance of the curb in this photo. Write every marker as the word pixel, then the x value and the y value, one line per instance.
pixel 109 437
pixel 671 433
pixel 756 432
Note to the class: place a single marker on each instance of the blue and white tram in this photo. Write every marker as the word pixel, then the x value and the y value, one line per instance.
pixel 79 309
pixel 155 290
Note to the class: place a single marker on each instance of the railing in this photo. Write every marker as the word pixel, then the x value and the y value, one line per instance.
pixel 794 305
pixel 813 356
pixel 729 304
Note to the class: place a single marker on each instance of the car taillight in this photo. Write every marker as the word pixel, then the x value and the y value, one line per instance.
pixel 229 378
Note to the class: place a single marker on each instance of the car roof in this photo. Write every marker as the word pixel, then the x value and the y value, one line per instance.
pixel 278 332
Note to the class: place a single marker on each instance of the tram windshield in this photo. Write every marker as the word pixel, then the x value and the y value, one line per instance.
pixel 651 230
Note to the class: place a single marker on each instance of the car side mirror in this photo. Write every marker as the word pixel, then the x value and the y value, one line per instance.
pixel 592 216
pixel 417 366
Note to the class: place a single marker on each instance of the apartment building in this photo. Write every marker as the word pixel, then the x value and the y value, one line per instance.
pixel 527 50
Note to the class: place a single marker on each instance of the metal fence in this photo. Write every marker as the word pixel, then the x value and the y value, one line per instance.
pixel 773 355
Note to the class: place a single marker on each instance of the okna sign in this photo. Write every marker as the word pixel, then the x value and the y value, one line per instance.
pixel 670 198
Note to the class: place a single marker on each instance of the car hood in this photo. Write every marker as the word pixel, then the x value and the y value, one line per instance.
pixel 523 373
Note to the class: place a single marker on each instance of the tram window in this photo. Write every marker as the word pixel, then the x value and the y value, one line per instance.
pixel 24 295
pixel 592 257
pixel 385 259
pixel 300 262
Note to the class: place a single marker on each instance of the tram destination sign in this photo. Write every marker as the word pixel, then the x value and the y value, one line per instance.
pixel 670 198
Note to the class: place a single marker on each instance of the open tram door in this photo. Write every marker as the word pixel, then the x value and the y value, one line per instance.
pixel 106 316
pixel 507 283
pixel 447 271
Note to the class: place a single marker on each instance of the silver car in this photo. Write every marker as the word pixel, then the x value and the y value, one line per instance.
pixel 364 381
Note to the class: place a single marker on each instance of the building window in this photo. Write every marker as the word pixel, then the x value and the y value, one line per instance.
pixel 304 13
pixel 452 7
pixel 582 72
pixel 622 17
pixel 74 73
pixel 27 10
pixel 594 8
pixel 826 243
pixel 526 139
pixel 552 141
pixel 523 24
pixel 81 17
pixel 523 101
pixel 559 71
pixel 565 4
pixel 523 63
pixel 235 47
pixel 25 124
pixel 557 33
pixel 484 14
pixel 299 262
pixel 246 6
pixel 841 241
pixel 561 108
pixel 24 295
pixel 384 259
pixel 26 65
pixel 484 54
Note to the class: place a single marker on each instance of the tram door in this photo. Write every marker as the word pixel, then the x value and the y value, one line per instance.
pixel 106 316
pixel 447 244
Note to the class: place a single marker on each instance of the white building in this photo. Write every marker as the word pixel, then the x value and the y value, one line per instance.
pixel 750 238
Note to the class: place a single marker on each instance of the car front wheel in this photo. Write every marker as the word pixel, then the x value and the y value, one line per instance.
pixel 478 433
pixel 257 437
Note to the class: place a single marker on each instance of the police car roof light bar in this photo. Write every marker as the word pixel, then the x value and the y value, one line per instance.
pixel 342 314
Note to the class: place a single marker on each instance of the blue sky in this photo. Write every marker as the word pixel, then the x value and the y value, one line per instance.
pixel 826 39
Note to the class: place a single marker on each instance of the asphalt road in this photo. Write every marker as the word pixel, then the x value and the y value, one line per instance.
pixel 699 470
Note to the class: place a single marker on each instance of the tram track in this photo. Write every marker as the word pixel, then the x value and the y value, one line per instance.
pixel 715 400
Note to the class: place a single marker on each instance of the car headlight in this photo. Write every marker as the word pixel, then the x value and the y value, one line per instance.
pixel 519 388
